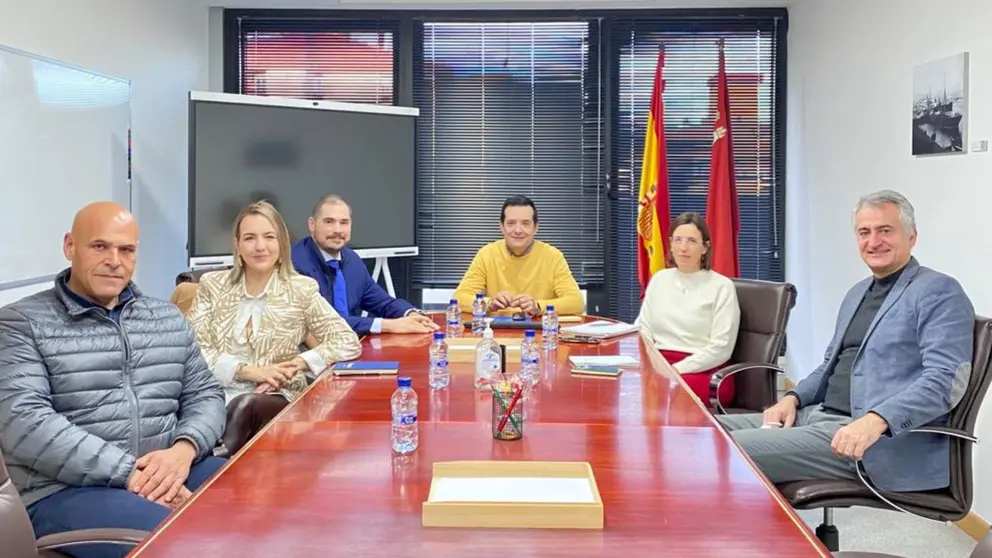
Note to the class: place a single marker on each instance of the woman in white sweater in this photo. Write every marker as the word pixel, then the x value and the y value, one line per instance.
pixel 690 312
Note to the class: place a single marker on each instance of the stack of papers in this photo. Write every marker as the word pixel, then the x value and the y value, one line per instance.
pixel 603 360
pixel 601 329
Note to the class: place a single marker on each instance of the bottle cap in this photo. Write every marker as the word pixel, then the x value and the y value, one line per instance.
pixel 453 301
pixel 550 307
pixel 529 333
pixel 438 335
pixel 488 333
pixel 403 382
pixel 480 295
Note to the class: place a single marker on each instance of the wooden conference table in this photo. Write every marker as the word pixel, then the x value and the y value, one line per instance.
pixel 322 480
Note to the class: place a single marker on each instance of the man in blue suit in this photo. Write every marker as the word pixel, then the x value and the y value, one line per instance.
pixel 345 281
pixel 900 359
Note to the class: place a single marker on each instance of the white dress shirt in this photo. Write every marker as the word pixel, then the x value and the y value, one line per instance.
pixel 376 327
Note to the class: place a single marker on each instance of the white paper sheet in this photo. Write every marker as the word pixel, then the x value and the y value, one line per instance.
pixel 603 360
pixel 513 489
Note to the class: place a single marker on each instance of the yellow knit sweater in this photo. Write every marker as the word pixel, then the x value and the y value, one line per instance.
pixel 542 273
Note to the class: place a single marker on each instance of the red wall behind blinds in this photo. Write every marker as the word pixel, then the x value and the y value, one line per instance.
pixel 351 67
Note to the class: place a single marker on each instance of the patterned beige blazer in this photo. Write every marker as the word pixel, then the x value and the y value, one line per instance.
pixel 233 328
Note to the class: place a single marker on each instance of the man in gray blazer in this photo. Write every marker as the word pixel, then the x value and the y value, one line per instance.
pixel 900 358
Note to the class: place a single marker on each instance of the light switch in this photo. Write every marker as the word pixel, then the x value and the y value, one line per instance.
pixel 979 146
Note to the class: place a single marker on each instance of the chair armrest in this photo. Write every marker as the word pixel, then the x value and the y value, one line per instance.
pixel 55 541
pixel 722 374
pixel 952 432
pixel 857 554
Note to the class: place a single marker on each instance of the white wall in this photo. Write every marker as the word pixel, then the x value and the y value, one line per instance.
pixel 850 103
pixel 161 46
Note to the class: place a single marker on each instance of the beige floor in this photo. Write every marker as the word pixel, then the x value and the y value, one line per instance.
pixel 895 533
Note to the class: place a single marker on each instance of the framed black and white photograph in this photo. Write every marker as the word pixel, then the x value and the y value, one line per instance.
pixel 940 106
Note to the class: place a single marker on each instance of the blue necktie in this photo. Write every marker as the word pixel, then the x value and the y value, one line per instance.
pixel 340 289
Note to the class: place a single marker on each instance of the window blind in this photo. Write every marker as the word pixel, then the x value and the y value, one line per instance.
pixel 320 59
pixel 507 108
pixel 691 51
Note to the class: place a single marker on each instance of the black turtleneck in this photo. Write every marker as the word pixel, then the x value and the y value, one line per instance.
pixel 838 397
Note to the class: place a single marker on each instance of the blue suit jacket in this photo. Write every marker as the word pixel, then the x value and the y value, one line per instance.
pixel 912 369
pixel 364 294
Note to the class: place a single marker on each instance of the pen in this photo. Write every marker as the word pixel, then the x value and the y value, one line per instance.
pixel 509 410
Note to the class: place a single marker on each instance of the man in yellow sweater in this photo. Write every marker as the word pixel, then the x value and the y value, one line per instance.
pixel 518 273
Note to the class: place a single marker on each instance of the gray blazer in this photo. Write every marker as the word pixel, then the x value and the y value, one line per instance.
pixel 912 369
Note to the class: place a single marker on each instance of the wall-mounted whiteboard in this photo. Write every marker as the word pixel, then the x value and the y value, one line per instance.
pixel 63 144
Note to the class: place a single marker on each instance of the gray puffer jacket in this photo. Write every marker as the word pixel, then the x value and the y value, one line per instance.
pixel 82 397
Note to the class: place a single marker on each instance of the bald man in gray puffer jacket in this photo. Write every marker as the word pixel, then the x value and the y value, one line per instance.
pixel 108 412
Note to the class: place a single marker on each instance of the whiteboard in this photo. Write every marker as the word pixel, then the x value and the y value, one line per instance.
pixel 64 142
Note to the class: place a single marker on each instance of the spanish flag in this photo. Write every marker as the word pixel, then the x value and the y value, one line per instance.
pixel 654 212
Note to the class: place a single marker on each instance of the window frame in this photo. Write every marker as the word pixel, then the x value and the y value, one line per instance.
pixel 600 181
pixel 712 23
pixel 317 19
pixel 403 45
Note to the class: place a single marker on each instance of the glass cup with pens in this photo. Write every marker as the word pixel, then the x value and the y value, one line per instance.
pixel 508 407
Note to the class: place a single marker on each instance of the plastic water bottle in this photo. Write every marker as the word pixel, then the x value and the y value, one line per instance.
pixel 549 328
pixel 478 314
pixel 453 319
pixel 530 358
pixel 488 360
pixel 405 434
pixel 438 375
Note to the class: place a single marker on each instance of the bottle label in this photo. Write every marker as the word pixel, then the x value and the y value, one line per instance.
pixel 406 419
pixel 441 362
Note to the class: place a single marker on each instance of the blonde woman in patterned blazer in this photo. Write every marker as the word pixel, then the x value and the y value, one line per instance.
pixel 251 320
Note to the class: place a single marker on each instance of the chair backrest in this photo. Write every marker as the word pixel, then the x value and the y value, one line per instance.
pixel 193 275
pixel 16 532
pixel 965 414
pixel 984 548
pixel 765 308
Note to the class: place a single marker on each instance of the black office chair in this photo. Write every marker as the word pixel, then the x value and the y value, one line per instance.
pixel 765 309
pixel 17 534
pixel 945 505
pixel 193 275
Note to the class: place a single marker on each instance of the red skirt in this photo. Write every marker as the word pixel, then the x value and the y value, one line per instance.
pixel 699 382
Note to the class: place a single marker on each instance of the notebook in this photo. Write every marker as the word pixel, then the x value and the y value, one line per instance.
pixel 365 368
pixel 594 370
